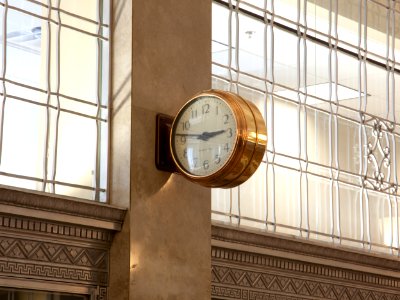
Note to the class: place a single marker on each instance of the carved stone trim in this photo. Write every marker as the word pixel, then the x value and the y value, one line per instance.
pixel 101 293
pixel 242 275
pixel 68 206
pixel 287 265
pixel 47 239
pixel 303 247
pixel 52 273
pixel 56 253
pixel 53 261
pixel 37 226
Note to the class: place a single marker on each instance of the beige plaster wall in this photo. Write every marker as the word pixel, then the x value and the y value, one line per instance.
pixel 168 236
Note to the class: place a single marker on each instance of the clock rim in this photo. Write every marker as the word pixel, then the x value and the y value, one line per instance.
pixel 249 148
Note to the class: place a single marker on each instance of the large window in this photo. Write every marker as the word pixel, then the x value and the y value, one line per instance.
pixel 324 75
pixel 54 96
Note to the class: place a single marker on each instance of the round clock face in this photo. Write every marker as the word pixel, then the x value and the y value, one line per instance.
pixel 204 135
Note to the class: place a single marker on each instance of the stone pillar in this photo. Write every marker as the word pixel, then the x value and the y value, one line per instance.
pixel 120 139
pixel 168 225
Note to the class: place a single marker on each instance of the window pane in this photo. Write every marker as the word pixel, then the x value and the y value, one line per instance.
pixel 324 76
pixel 54 96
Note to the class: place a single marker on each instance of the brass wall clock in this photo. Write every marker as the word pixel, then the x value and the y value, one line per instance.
pixel 218 139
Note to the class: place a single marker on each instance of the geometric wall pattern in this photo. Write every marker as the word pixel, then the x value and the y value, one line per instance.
pixel 242 275
pixel 51 251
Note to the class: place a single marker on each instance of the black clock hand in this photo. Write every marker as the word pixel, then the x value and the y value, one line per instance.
pixel 205 136
pixel 187 134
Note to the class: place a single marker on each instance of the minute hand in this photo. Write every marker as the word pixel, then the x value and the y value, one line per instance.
pixel 205 136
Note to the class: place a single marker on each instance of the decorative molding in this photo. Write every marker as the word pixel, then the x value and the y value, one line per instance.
pixel 39 251
pixel 52 273
pixel 378 157
pixel 71 208
pixel 62 230
pixel 52 261
pixel 101 293
pixel 241 275
pixel 49 239
pixel 289 245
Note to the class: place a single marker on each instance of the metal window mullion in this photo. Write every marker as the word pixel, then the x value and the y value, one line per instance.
pixel 58 75
pixel 271 73
pixel 298 82
pixel 302 98
pixel 267 95
pixel 48 84
pixel 98 112
pixel 230 44
pixel 230 8
pixel 305 116
pixel 3 72
pixel 363 140
pixel 363 108
pixel 387 96
pixel 394 152
pixel 265 67
pixel 331 181
pixel 237 87
pixel 335 117
pixel 392 45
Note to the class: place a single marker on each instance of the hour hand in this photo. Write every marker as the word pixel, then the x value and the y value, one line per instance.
pixel 205 136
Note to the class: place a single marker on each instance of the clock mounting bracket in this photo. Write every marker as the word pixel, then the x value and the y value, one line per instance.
pixel 164 160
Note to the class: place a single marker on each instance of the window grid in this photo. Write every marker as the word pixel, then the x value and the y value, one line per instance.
pixel 52 15
pixel 376 134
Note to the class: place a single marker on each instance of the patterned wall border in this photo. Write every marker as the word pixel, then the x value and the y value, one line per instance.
pixel 56 243
pixel 53 253
pixel 243 275
pixel 38 226
pixel 60 261
pixel 304 247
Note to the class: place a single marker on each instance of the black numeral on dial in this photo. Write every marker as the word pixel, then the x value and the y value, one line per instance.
pixel 183 139
pixel 226 119
pixel 226 147
pixel 195 160
pixel 186 125
pixel 206 108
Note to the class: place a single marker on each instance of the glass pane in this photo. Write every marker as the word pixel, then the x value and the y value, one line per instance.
pixel 54 96
pixel 324 77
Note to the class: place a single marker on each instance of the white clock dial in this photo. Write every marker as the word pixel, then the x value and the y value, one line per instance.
pixel 204 135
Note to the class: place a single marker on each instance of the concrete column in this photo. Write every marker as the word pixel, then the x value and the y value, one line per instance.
pixel 170 230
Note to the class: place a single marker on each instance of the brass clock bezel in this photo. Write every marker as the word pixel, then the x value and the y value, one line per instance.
pixel 249 148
